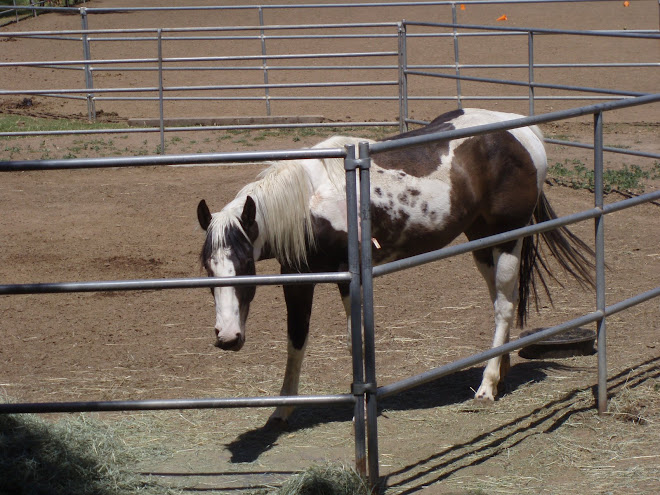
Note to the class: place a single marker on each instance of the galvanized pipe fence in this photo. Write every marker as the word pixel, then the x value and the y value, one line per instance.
pixel 395 37
pixel 352 276
pixel 364 388
pixel 360 274
pixel 531 84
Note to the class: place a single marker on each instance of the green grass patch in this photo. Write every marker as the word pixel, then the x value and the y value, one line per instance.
pixel 47 3
pixel 251 136
pixel 19 123
pixel 10 3
pixel 630 178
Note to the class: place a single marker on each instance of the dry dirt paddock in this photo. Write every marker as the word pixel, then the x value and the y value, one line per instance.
pixel 542 436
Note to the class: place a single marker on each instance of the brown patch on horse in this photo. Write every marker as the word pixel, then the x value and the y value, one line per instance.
pixel 399 237
pixel 494 178
pixel 329 253
pixel 420 160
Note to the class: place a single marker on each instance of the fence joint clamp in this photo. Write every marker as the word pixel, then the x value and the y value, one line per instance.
pixel 363 388
pixel 357 163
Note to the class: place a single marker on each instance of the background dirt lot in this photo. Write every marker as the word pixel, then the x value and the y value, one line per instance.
pixel 542 436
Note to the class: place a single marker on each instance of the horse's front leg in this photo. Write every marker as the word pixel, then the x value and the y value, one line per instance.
pixel 502 280
pixel 298 300
pixel 346 301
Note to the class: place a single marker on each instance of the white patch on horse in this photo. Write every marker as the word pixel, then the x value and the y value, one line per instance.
pixel 504 296
pixel 446 160
pixel 328 178
pixel 423 202
pixel 329 203
pixel 291 381
pixel 227 310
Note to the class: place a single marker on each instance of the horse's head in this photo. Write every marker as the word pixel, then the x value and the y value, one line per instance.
pixel 228 251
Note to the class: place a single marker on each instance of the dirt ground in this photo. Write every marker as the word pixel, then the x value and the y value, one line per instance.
pixel 541 436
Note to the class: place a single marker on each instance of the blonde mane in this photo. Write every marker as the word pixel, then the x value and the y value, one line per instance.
pixel 282 195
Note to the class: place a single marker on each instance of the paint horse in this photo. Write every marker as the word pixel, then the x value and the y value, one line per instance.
pixel 421 199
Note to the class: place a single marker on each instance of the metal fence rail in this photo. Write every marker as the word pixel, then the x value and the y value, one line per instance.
pixel 168 404
pixel 355 397
pixel 364 389
pixel 531 34
pixel 394 36
pixel 597 213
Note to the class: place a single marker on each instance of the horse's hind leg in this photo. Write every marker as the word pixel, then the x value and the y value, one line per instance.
pixel 499 268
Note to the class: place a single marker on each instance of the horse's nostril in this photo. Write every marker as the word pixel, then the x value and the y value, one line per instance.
pixel 230 345
pixel 217 332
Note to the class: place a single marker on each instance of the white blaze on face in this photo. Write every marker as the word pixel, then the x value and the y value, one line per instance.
pixel 229 332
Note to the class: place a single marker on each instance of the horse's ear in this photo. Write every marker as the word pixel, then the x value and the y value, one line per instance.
pixel 249 213
pixel 203 214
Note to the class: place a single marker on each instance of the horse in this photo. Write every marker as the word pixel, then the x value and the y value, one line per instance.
pixel 422 198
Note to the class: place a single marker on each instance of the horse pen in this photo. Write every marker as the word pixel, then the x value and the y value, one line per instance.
pixel 286 78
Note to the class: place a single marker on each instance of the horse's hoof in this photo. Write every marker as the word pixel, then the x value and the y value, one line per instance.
pixel 484 395
pixel 276 423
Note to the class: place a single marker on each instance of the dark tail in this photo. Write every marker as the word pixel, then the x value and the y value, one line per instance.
pixel 569 250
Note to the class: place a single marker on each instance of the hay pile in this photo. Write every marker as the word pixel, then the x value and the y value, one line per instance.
pixel 325 480
pixel 78 455
pixel 73 456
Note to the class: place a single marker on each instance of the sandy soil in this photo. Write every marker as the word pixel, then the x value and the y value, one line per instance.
pixel 542 436
pixel 549 49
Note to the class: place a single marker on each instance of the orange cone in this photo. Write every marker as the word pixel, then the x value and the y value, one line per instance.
pixel 502 18
pixel 463 6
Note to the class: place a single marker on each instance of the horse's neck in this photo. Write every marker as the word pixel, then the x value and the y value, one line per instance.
pixel 260 247
pixel 288 198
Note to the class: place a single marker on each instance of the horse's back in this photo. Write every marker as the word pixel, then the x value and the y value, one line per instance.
pixel 480 185
pixel 437 158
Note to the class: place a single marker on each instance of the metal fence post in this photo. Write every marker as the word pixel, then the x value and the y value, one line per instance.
pixel 264 60
pixel 89 81
pixel 350 165
pixel 161 111
pixel 456 63
pixel 368 313
pixel 403 77
pixel 530 50
pixel 600 262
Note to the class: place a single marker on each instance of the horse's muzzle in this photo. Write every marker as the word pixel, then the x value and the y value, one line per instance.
pixel 230 345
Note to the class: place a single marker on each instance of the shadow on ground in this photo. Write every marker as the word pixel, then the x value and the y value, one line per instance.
pixel 544 419
pixel 445 391
pixel 417 475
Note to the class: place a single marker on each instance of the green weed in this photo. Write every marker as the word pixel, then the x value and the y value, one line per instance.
pixel 574 174
pixel 12 150
pixel 12 123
